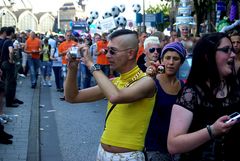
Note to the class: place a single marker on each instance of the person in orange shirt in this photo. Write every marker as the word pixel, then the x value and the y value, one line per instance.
pixel 142 37
pixel 63 49
pixel 101 54
pixel 33 47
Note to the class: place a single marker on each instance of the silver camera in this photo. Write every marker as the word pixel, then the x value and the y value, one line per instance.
pixel 74 52
pixel 161 69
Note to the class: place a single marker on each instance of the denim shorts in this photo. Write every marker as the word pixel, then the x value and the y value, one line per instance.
pixel 46 68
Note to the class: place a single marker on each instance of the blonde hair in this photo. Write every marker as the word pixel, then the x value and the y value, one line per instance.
pixel 151 40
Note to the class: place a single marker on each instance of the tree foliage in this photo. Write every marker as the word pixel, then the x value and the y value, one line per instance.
pixel 202 8
pixel 165 9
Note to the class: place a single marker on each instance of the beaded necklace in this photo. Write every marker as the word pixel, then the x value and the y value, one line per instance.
pixel 134 78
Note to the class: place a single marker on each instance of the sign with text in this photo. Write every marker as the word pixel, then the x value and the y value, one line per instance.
pixel 107 24
pixel 150 18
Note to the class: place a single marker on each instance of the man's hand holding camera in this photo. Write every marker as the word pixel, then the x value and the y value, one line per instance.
pixel 83 55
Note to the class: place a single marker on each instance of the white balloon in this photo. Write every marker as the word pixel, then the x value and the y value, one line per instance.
pixel 89 21
pixel 98 25
pixel 94 14
pixel 122 8
pixel 136 8
pixel 106 15
pixel 121 21
pixel 115 11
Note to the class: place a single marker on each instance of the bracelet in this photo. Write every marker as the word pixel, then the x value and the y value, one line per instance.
pixel 210 131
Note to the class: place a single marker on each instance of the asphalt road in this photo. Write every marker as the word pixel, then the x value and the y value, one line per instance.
pixel 69 132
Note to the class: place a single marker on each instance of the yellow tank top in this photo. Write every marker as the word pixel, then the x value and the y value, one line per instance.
pixel 127 124
pixel 45 54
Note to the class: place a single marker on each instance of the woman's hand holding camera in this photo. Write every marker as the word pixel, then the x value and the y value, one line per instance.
pixel 155 68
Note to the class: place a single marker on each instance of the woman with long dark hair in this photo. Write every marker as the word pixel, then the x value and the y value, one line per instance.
pixel 198 129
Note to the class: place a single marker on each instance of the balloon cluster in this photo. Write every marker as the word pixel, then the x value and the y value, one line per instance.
pixel 115 12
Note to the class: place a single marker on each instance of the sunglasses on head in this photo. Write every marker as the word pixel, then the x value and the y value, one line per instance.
pixel 226 49
pixel 152 50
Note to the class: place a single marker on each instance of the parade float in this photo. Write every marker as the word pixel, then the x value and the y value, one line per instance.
pixel 184 14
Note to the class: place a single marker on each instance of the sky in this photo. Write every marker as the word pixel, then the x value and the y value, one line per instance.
pixel 37 5
pixel 91 5
pixel 94 5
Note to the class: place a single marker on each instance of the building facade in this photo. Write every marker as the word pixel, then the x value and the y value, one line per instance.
pixel 25 19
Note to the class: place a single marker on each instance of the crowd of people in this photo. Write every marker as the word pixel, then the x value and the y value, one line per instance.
pixel 169 97
pixel 152 113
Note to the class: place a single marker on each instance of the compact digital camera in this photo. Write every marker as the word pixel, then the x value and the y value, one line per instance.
pixel 74 52
pixel 161 69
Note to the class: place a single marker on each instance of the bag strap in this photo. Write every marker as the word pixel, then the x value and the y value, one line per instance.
pixel 112 107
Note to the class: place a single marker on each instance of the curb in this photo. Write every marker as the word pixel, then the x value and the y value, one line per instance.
pixel 33 153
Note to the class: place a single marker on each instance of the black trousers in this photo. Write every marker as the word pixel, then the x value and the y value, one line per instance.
pixel 10 79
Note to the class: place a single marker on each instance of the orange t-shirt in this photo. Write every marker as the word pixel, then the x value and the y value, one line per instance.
pixel 33 45
pixel 140 51
pixel 65 46
pixel 101 58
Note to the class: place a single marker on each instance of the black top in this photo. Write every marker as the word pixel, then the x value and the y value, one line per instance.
pixel 141 62
pixel 156 137
pixel 1 45
pixel 5 52
pixel 205 112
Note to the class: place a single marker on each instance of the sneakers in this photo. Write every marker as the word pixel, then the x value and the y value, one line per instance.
pixel 21 75
pixel 2 121
pixel 6 118
pixel 18 101
pixel 4 137
pixel 44 83
pixel 49 84
pixel 34 85
pixel 5 141
pixel 12 105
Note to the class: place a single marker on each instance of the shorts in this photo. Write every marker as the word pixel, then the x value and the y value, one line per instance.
pixel 24 59
pixel 103 155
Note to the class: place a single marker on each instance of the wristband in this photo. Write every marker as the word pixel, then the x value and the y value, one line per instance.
pixel 210 132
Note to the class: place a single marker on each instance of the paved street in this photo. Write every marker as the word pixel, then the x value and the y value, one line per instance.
pixel 47 129
pixel 79 127
pixel 19 128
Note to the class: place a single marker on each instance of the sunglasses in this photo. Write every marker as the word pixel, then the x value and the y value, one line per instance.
pixel 113 51
pixel 226 49
pixel 152 50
